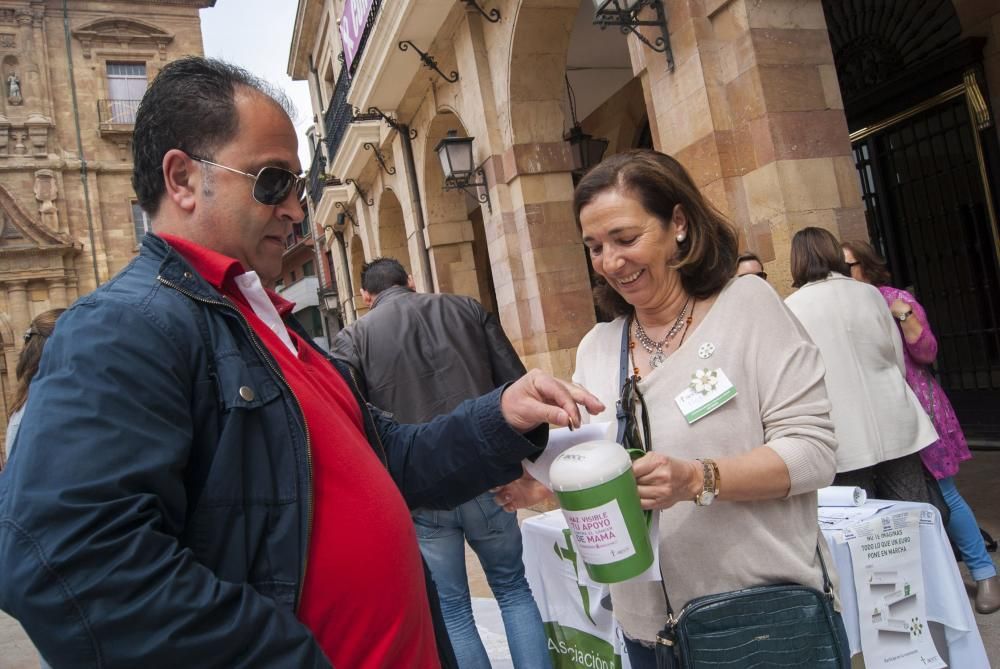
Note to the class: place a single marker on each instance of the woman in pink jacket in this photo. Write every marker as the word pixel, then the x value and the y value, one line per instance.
pixel 941 458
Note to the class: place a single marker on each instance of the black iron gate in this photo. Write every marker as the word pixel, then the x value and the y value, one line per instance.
pixel 927 211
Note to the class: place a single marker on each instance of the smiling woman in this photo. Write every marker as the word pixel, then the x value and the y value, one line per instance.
pixel 738 411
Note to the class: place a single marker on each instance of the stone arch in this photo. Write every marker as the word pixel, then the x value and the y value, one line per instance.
pixel 392 229
pixel 357 251
pixel 872 43
pixel 537 66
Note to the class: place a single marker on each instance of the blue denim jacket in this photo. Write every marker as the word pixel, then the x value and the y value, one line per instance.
pixel 157 511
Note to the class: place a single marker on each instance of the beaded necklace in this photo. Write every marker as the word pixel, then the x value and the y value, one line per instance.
pixel 655 348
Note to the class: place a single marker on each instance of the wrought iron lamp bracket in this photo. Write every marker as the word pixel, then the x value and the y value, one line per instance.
pixel 492 17
pixel 390 121
pixel 428 61
pixel 361 192
pixel 347 212
pixel 467 187
pixel 379 156
pixel 628 21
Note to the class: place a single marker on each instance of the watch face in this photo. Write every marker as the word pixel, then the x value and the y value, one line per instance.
pixel 706 497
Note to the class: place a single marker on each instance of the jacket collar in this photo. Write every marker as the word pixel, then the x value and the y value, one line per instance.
pixel 832 276
pixel 390 294
pixel 174 269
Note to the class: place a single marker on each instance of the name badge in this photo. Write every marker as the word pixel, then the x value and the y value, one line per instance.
pixel 709 389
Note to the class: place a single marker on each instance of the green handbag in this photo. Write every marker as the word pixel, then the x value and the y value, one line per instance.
pixel 786 625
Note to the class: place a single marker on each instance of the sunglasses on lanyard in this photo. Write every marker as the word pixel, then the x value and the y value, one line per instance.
pixel 271 185
pixel 631 399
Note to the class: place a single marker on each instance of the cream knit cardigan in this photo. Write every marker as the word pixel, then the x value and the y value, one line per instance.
pixel 875 414
pixel 781 402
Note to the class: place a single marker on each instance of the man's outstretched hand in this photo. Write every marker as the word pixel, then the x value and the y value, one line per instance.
pixel 538 398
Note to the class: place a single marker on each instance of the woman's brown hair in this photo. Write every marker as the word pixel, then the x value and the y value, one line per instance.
pixel 872 266
pixel 27 363
pixel 704 260
pixel 815 253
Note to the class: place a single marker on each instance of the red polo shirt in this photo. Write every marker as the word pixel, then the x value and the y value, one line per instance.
pixel 364 597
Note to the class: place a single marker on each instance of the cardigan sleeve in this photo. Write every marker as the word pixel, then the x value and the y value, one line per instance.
pixel 794 408
pixel 924 349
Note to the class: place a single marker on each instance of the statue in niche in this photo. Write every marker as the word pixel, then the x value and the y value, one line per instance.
pixel 14 89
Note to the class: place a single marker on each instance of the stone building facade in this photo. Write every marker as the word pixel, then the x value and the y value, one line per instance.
pixel 71 83
pixel 776 107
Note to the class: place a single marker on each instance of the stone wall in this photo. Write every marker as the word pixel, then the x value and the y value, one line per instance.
pixel 67 223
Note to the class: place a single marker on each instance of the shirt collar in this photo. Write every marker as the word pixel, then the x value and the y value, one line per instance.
pixel 220 270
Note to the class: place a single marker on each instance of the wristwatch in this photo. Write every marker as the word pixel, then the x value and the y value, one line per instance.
pixel 903 316
pixel 712 483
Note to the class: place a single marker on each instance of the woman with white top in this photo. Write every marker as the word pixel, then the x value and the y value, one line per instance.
pixel 879 422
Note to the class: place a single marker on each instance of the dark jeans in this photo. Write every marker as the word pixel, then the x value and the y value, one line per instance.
pixel 641 657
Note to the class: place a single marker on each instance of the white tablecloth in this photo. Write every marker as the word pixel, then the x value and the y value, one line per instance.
pixel 947 601
pixel 557 587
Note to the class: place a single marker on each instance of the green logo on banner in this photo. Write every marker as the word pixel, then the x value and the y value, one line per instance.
pixel 572 649
pixel 569 555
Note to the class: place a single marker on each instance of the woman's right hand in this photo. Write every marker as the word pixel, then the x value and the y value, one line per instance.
pixel 665 481
pixel 521 493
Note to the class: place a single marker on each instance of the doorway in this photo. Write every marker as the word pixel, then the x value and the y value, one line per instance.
pixel 929 214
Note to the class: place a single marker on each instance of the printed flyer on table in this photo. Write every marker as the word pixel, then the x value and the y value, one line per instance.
pixel 889 581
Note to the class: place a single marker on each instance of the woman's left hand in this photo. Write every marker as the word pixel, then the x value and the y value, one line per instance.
pixel 664 481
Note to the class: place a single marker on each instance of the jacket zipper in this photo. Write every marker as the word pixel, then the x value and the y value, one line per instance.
pixel 267 359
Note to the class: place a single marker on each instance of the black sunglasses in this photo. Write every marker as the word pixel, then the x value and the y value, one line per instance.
pixel 271 185
pixel 762 275
pixel 630 397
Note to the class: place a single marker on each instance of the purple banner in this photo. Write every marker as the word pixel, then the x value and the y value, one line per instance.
pixel 352 24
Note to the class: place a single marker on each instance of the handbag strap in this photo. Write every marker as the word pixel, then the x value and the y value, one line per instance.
pixel 827 583
pixel 622 416
pixel 622 377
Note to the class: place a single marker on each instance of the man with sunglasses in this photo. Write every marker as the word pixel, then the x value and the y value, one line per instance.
pixel 195 483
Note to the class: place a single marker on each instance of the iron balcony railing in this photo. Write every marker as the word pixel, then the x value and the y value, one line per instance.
pixel 317 176
pixel 339 115
pixel 363 40
pixel 116 112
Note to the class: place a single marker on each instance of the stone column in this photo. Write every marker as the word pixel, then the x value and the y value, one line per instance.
pixel 753 111
pixel 57 293
pixel 547 291
pixel 20 314
pixel 452 258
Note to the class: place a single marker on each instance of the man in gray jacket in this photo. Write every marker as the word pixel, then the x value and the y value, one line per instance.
pixel 421 355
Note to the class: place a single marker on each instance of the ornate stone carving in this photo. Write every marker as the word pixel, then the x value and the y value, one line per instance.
pixel 122 33
pixel 38 130
pixel 8 41
pixel 46 192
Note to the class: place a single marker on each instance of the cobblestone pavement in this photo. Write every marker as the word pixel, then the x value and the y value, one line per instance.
pixel 978 482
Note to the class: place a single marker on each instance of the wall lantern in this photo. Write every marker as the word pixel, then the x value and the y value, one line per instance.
pixel 330 300
pixel 460 172
pixel 624 14
pixel 586 150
